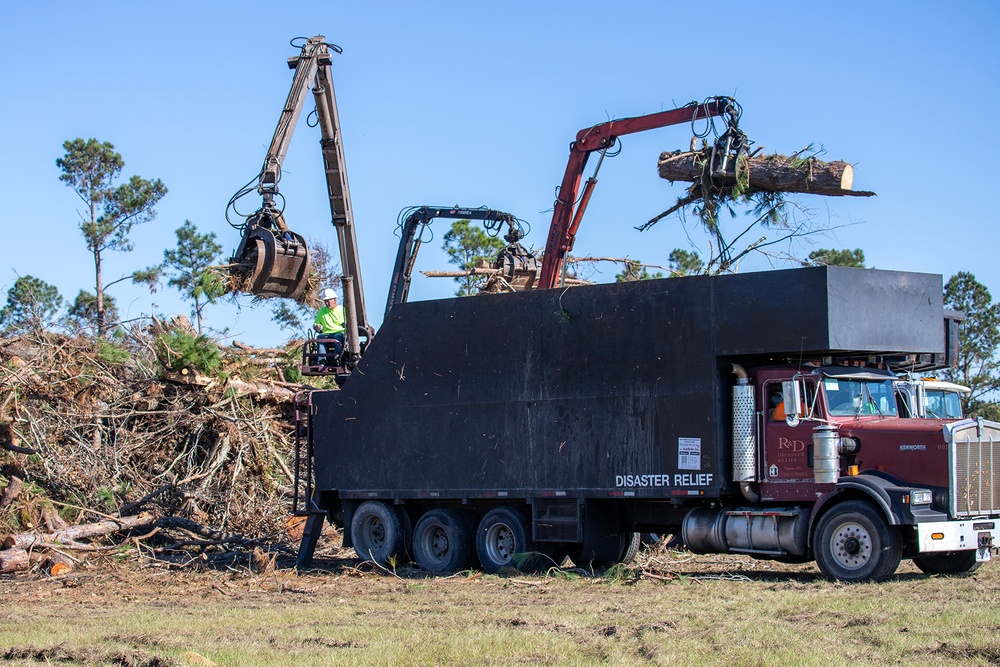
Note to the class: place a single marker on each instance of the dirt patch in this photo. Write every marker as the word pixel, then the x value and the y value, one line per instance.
pixel 63 653
pixel 989 655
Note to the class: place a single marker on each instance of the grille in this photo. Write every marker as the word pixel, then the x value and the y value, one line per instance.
pixel 974 452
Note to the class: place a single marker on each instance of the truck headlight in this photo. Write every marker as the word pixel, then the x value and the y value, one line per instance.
pixel 848 446
pixel 922 497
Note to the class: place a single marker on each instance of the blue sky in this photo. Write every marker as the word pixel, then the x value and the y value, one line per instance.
pixel 475 104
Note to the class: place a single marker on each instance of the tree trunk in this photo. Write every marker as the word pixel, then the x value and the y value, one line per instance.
pixel 13 560
pixel 773 173
pixel 99 287
pixel 197 312
pixel 74 533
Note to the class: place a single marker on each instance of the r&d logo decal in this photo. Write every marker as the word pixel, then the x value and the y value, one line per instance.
pixel 791 445
pixel 773 470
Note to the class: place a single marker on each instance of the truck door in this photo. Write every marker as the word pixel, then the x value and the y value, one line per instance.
pixel 787 449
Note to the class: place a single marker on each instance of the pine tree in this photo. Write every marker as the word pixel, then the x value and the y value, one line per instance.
pixel 979 342
pixel 685 263
pixel 31 303
pixel 92 169
pixel 467 246
pixel 187 265
pixel 829 257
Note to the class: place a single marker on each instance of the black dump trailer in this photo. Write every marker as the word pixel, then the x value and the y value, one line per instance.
pixel 579 416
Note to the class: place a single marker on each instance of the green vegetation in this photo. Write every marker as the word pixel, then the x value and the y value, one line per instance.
pixel 187 265
pixel 685 263
pixel 467 246
pixel 112 353
pixel 830 257
pixel 92 169
pixel 979 343
pixel 178 351
pixel 31 304
pixel 634 270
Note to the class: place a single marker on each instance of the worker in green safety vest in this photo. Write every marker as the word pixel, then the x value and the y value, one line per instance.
pixel 329 324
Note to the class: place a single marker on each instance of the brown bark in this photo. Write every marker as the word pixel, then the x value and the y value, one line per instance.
pixel 271 351
pixel 10 492
pixel 74 533
pixel 13 560
pixel 773 173
pixel 52 519
pixel 268 390
pixel 58 564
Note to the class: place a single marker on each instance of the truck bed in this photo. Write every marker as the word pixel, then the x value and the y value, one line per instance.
pixel 594 391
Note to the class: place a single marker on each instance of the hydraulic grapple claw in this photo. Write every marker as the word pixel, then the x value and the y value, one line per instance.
pixel 271 260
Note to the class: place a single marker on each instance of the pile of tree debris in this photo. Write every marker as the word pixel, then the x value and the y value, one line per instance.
pixel 160 441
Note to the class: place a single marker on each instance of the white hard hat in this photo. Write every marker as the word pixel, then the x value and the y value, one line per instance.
pixel 327 294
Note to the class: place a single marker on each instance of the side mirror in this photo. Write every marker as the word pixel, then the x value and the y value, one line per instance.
pixel 792 399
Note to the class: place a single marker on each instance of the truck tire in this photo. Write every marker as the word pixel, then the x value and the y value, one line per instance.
pixel 627 547
pixel 503 539
pixel 378 532
pixel 953 562
pixel 442 541
pixel 630 547
pixel 853 543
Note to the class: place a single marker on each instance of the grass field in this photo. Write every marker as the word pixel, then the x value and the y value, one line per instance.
pixel 678 609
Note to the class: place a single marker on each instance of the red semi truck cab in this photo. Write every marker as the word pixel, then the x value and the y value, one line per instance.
pixel 877 486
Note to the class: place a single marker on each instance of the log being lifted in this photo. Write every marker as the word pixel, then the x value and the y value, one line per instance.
pixel 773 173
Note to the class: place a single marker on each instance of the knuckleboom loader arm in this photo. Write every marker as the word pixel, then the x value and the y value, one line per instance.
pixel 275 260
pixel 569 209
pixel 514 263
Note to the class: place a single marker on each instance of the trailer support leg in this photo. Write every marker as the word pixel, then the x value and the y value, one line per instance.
pixel 310 535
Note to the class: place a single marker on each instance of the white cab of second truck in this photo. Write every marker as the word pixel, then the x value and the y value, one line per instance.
pixel 930 398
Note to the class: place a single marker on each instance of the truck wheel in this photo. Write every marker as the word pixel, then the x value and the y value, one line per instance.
pixel 627 547
pixel 854 543
pixel 377 532
pixel 503 540
pixel 442 541
pixel 630 547
pixel 954 562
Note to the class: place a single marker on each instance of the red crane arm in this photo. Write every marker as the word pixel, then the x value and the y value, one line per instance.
pixel 562 231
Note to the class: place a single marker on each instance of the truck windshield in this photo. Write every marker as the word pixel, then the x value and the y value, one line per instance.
pixel 944 404
pixel 847 397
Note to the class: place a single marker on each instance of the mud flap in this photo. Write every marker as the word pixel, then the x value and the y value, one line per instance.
pixel 310 535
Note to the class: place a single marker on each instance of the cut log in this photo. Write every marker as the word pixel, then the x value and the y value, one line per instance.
pixel 74 533
pixel 13 560
pixel 60 568
pixel 773 173
pixel 58 564
pixel 10 492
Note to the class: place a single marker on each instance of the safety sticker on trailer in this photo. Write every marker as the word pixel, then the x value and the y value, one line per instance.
pixel 689 453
